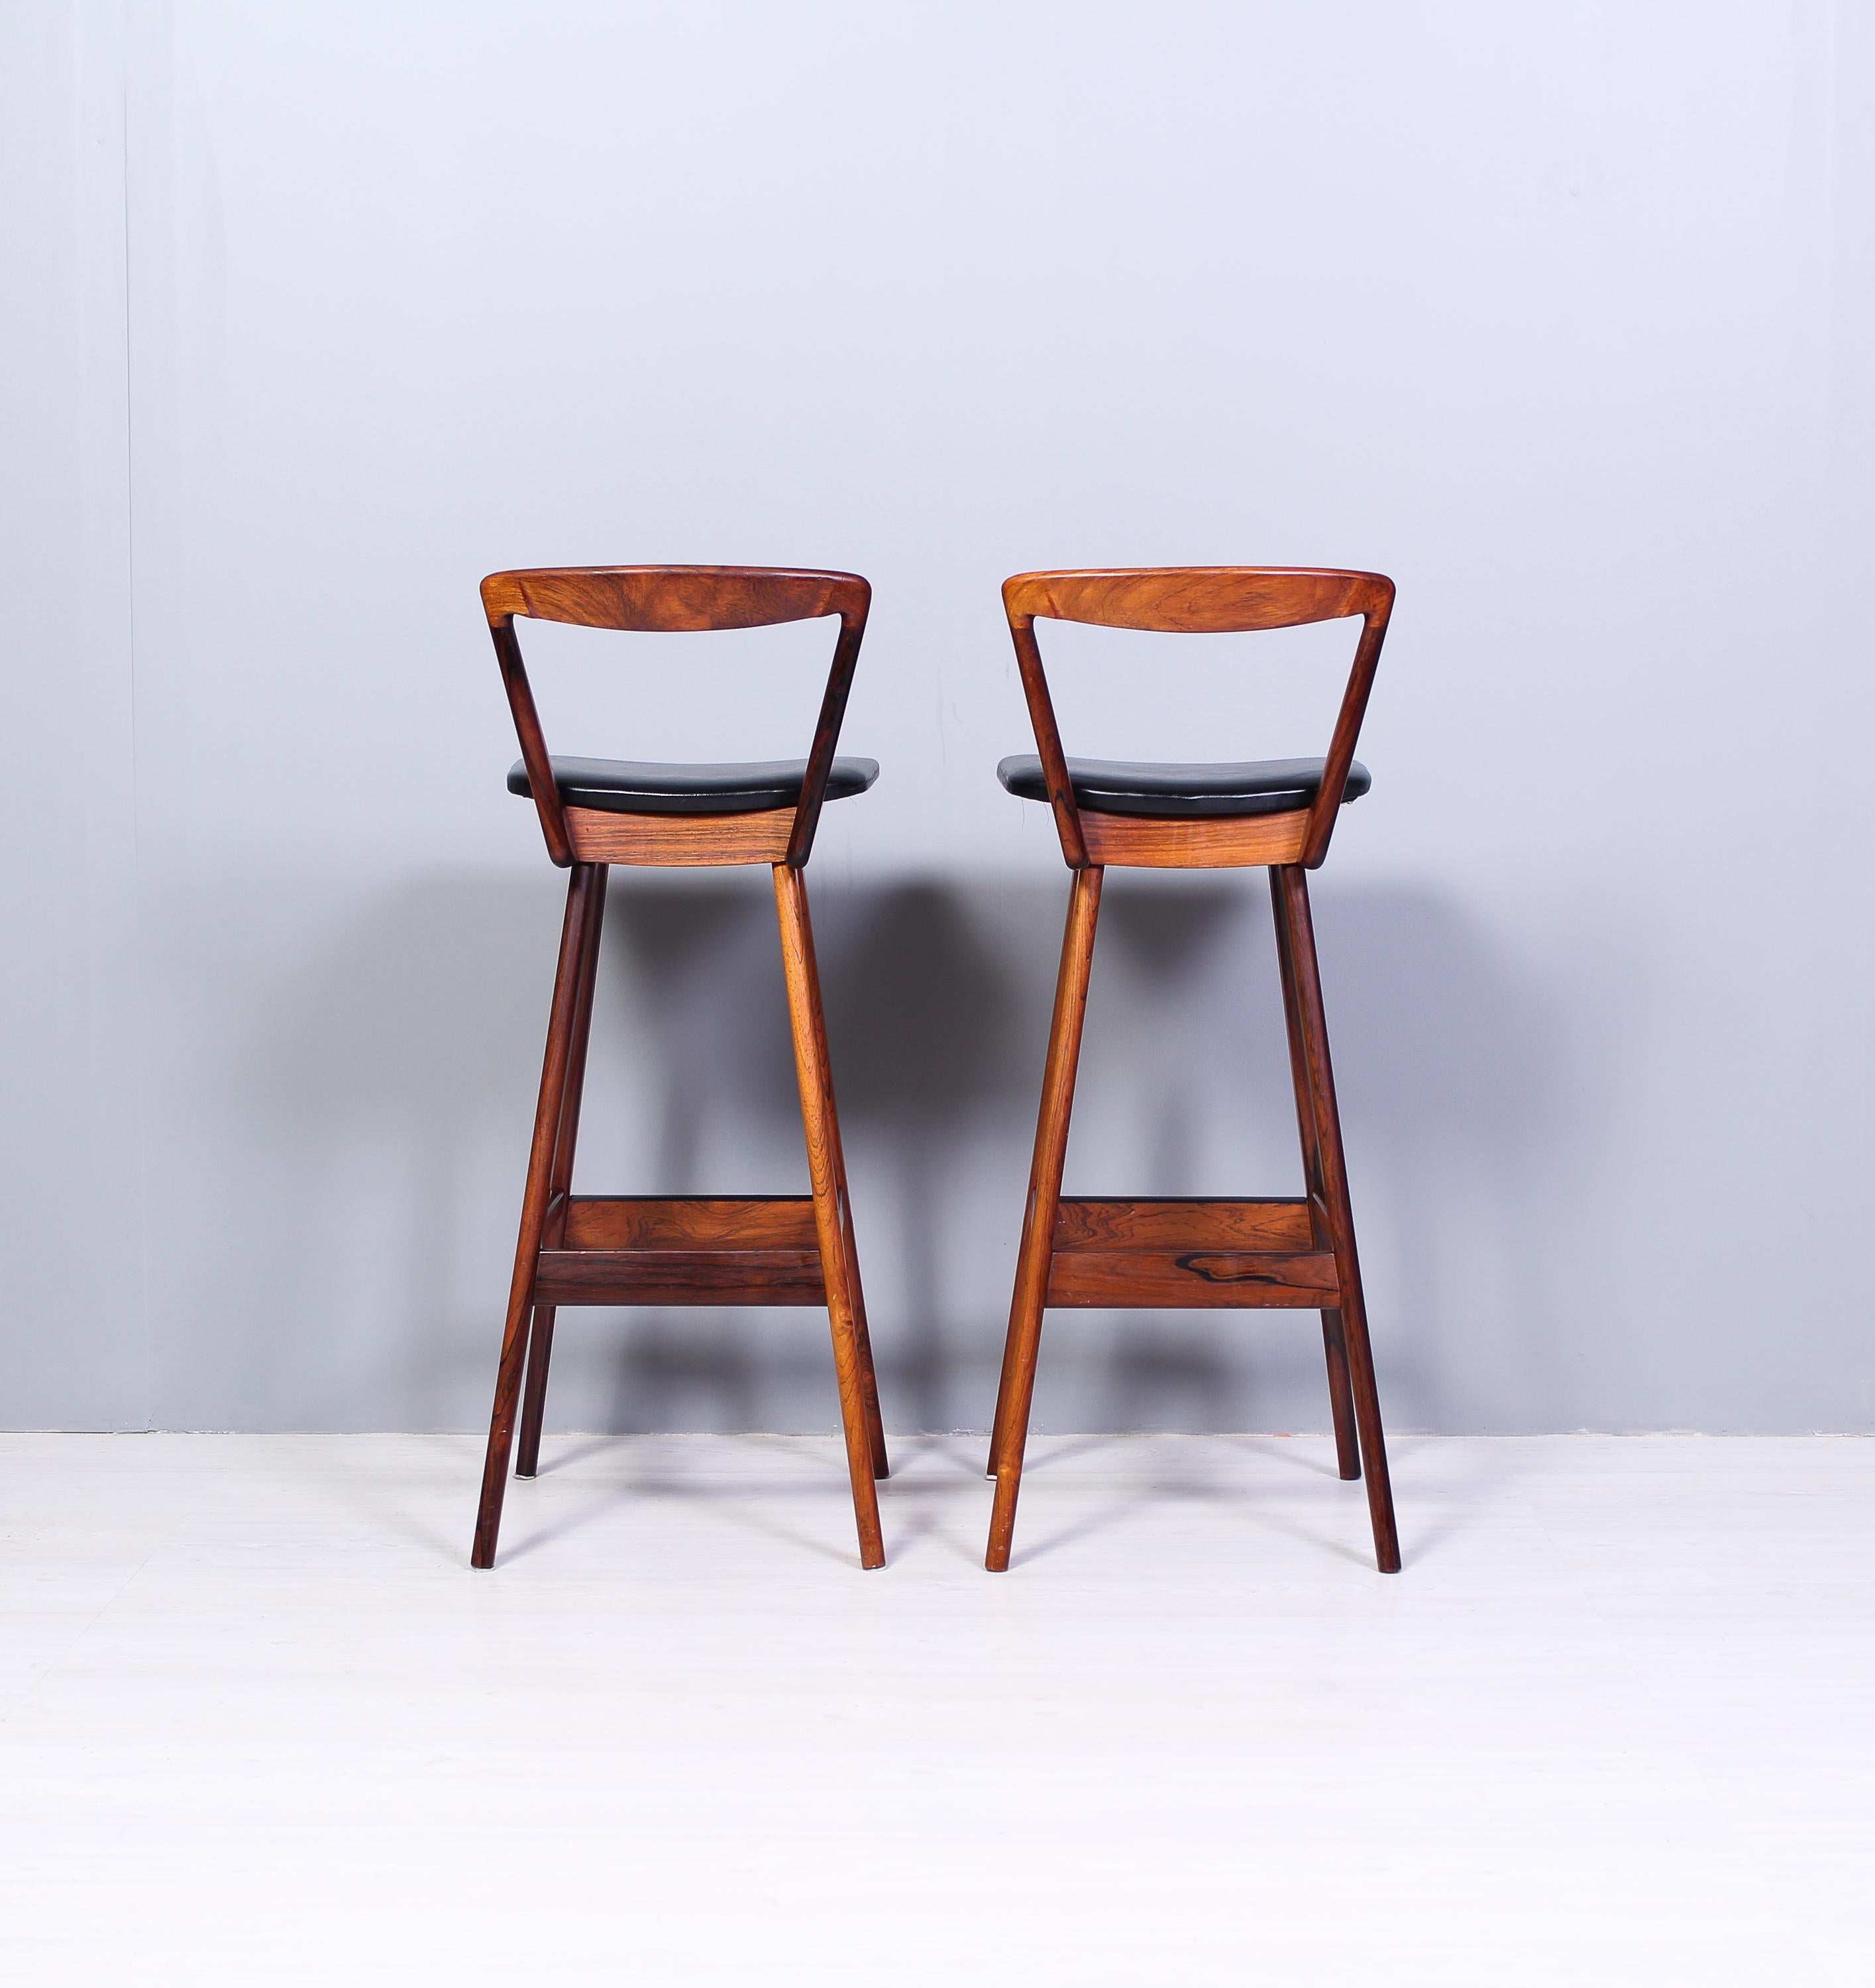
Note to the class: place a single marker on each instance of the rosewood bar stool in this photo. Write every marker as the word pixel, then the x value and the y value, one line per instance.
pixel 1275 813
pixel 665 1250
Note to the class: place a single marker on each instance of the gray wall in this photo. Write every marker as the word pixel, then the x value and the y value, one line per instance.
pixel 1561 314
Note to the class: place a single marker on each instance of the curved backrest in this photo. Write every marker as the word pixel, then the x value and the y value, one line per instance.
pixel 1199 600
pixel 661 599
pixel 672 600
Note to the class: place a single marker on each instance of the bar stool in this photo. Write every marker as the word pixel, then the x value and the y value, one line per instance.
pixel 663 1249
pixel 1278 814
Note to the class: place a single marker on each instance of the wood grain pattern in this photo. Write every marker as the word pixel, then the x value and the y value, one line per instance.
pixel 685 841
pixel 1197 599
pixel 675 1249
pixel 1188 1223
pixel 582 886
pixel 559 1181
pixel 1334 1335
pixel 865 1440
pixel 547 802
pixel 1187 1279
pixel 679 1277
pixel 1213 842
pixel 1016 1394
pixel 668 599
pixel 842 1200
pixel 683 1221
pixel 1295 934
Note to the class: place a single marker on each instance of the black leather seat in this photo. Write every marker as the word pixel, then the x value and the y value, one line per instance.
pixel 1129 786
pixel 630 786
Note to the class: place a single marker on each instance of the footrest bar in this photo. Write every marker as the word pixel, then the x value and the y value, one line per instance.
pixel 1195 1222
pixel 671 1250
pixel 1190 1254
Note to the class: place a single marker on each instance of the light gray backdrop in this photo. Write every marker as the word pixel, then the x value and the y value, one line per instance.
pixel 1561 314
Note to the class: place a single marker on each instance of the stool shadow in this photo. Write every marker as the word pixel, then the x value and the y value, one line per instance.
pixel 1461 1096
pixel 921 1012
pixel 1189 1477
pixel 402 1057
pixel 406 1056
pixel 1451 1078
pixel 918 1005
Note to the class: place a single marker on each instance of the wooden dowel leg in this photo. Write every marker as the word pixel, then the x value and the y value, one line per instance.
pixel 1000 1421
pixel 534 1394
pixel 1294 885
pixel 1340 1395
pixel 580 894
pixel 1334 1338
pixel 863 1341
pixel 540 1336
pixel 1010 1435
pixel 830 1222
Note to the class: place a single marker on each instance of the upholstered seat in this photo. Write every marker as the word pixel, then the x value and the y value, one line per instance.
pixel 1129 786
pixel 630 786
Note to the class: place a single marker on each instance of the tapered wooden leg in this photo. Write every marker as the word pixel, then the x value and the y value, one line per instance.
pixel 581 893
pixel 540 1335
pixel 1292 882
pixel 1009 1436
pixel 1334 1338
pixel 869 1378
pixel 863 1342
pixel 533 1393
pixel 832 1223
pixel 1018 1306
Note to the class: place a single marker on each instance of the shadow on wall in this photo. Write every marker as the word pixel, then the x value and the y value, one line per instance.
pixel 334 1120
pixel 1463 1113
pixel 920 1018
pixel 1449 1069
pixel 402 1075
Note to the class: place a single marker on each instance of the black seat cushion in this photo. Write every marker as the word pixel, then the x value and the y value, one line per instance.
pixel 630 786
pixel 1128 786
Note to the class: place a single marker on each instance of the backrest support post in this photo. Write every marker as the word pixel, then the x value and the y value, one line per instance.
pixel 1327 808
pixel 1048 735
pixel 534 756
pixel 826 729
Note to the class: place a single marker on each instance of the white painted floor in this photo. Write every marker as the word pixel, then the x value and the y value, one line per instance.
pixel 260 1723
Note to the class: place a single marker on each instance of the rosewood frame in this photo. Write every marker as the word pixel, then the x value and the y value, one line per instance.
pixel 1298 1253
pixel 662 1249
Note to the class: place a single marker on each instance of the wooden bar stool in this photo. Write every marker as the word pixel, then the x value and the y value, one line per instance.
pixel 664 1250
pixel 1275 813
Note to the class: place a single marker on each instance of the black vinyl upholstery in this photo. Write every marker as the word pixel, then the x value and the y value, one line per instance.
pixel 628 786
pixel 1128 786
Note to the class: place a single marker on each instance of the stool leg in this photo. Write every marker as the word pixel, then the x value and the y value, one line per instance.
pixel 869 1379
pixel 581 891
pixel 1294 886
pixel 534 1391
pixel 1009 1436
pixel 560 1184
pixel 819 1120
pixel 1334 1338
pixel 863 1342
